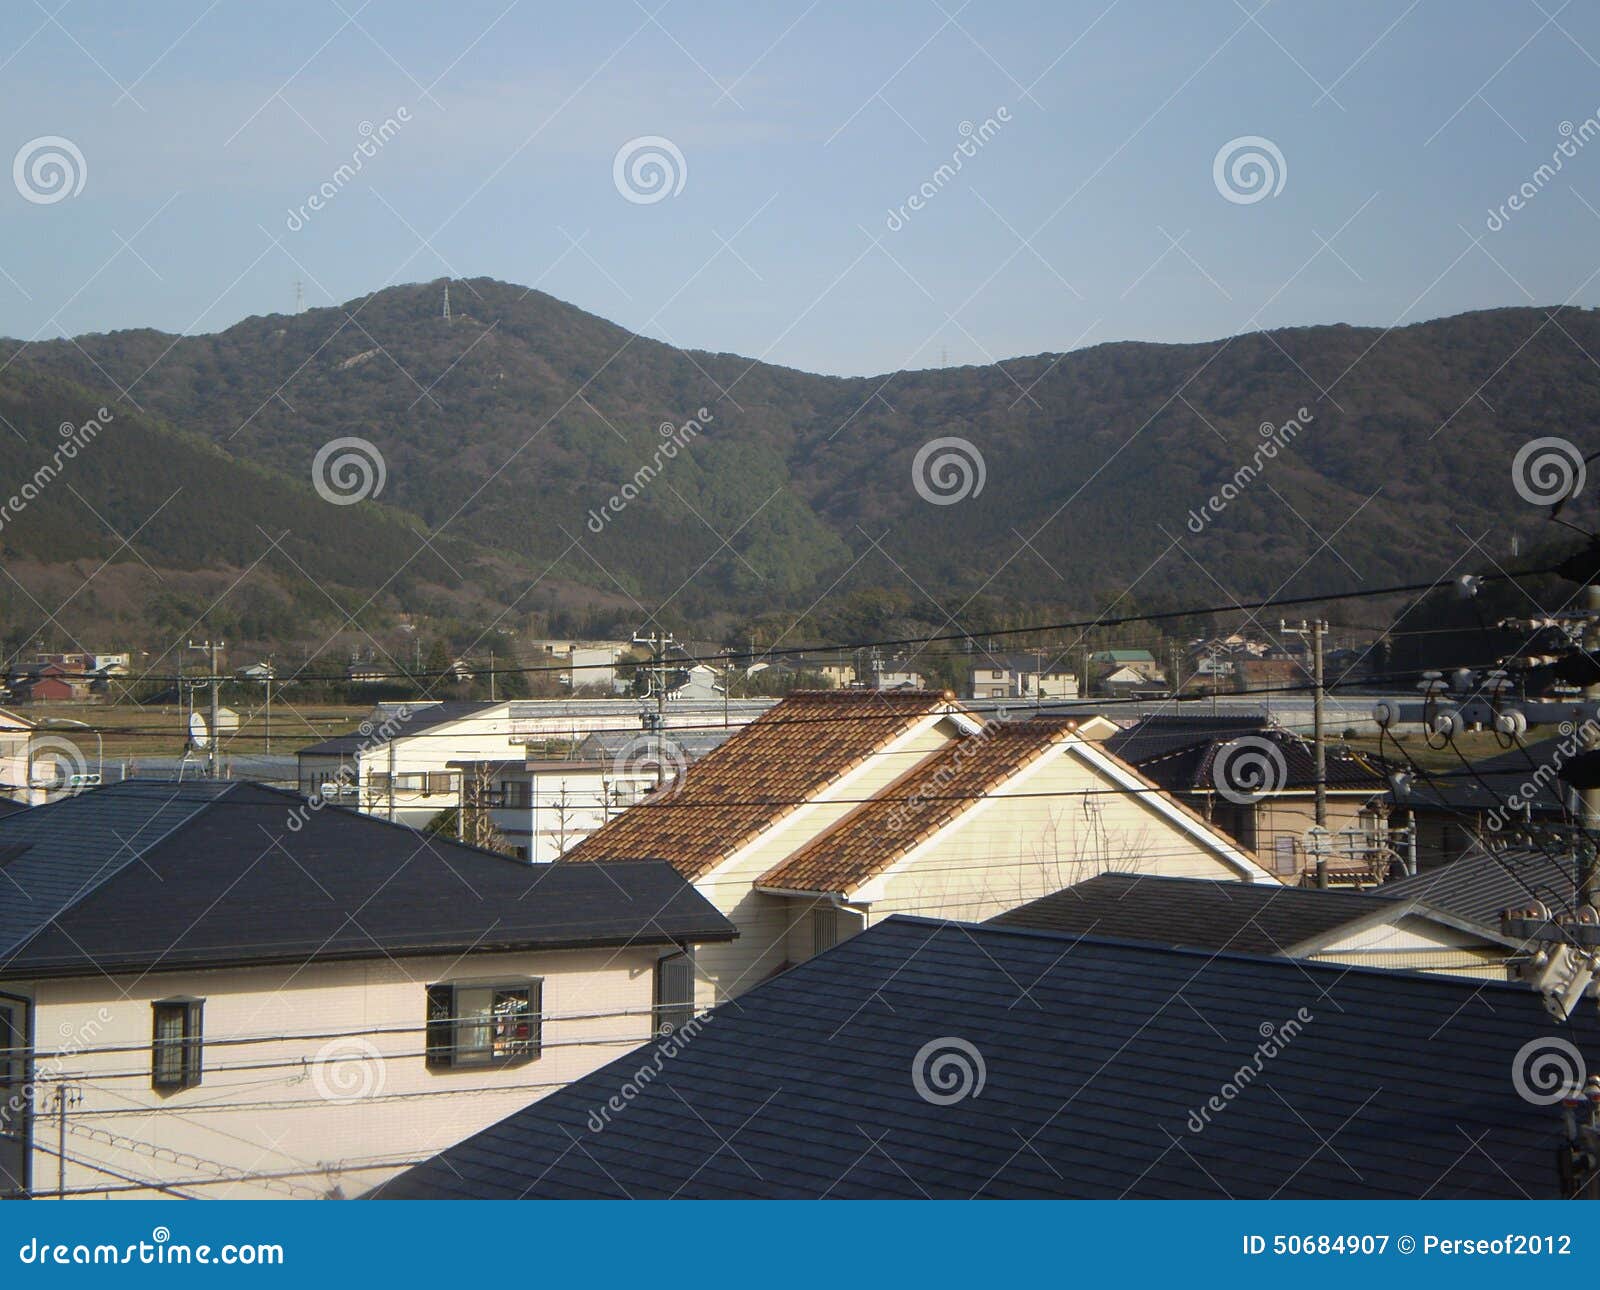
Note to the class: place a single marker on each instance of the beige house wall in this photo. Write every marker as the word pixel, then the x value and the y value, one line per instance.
pixel 276 1098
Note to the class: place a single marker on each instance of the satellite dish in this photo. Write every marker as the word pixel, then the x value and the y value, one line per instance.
pixel 199 736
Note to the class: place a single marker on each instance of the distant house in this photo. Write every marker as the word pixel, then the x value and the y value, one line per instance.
pixel 834 673
pixel 16 734
pixel 1126 672
pixel 1458 811
pixel 698 681
pixel 894 674
pixel 1021 676
pixel 1260 787
pixel 367 673
pixel 397 763
pixel 51 683
pixel 1364 929
pixel 543 808
pixel 248 997
pixel 1282 674
pixel 595 667
pixel 840 807
pixel 931 1059
pixel 553 729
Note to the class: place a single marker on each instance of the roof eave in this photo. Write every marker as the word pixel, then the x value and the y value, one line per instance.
pixel 23 971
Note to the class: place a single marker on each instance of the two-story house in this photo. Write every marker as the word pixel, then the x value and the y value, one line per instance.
pixel 214 989
pixel 840 807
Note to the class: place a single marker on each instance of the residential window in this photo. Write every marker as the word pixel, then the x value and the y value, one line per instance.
pixel 378 781
pixel 472 1024
pixel 439 782
pixel 674 992
pixel 13 1054
pixel 175 1050
pixel 14 1102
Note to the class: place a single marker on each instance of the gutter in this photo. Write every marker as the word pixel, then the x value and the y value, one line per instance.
pixel 837 899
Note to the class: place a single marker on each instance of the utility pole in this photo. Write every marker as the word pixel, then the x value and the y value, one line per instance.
pixel 66 1095
pixel 269 704
pixel 1319 740
pixel 1588 871
pixel 491 676
pixel 1319 732
pixel 213 652
pixel 658 641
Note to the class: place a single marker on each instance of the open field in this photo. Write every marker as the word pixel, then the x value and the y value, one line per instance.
pixel 125 731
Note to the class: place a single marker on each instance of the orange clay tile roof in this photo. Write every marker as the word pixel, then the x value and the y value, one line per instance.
pixel 781 759
pixel 934 792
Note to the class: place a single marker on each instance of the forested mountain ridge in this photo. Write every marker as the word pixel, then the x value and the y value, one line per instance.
pixel 512 423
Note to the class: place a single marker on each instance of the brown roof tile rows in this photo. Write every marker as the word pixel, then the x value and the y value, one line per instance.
pixel 939 788
pixel 783 758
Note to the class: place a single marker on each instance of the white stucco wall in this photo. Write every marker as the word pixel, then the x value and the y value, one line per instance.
pixel 273 1099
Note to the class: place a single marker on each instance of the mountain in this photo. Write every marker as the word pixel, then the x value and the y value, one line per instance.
pixel 507 428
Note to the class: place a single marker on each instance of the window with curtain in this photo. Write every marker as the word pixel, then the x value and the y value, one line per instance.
pixel 475 1024
pixel 176 1046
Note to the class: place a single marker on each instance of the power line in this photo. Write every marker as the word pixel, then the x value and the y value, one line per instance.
pixel 1070 625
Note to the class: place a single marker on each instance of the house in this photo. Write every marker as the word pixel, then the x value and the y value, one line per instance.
pixel 1260 786
pixel 930 1059
pixel 697 682
pixel 1458 811
pixel 838 808
pixel 1253 674
pixel 71 660
pixel 1021 676
pixel 1366 929
pixel 832 672
pixel 594 667
pixel 214 989
pixel 51 683
pixel 540 809
pixel 894 674
pixel 587 665
pixel 397 762
pixel 1485 883
pixel 16 735
pixel 553 728
pixel 1126 672
pixel 367 673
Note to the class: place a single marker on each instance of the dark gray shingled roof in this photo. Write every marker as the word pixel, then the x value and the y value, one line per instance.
pixel 1095 1054
pixel 141 875
pixel 63 851
pixel 1157 734
pixel 1527 773
pixel 1478 886
pixel 1200 913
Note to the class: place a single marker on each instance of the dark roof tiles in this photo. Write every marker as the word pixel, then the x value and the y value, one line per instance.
pixel 1085 1066
pixel 1197 913
pixel 141 876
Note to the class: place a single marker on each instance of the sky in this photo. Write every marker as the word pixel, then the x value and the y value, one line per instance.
pixel 808 209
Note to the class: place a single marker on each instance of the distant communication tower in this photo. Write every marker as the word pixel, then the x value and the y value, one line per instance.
pixel 299 297
pixel 447 300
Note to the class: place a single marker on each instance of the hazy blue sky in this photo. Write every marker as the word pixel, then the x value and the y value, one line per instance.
pixel 802 126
